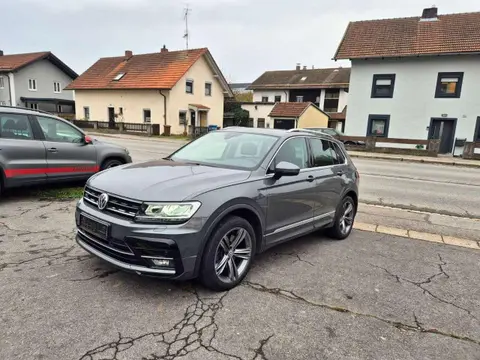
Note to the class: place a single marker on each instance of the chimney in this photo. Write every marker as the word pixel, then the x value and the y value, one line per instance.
pixel 1 52
pixel 430 13
pixel 298 66
pixel 304 67
pixel 164 49
pixel 128 54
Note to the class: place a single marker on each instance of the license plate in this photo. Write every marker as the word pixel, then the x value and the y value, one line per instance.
pixel 94 227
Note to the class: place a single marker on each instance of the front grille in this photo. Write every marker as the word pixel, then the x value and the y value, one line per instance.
pixel 112 244
pixel 116 205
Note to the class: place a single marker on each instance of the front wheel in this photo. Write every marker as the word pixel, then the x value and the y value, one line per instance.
pixel 344 218
pixel 110 164
pixel 228 255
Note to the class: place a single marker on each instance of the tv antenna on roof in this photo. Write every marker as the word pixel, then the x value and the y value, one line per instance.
pixel 185 17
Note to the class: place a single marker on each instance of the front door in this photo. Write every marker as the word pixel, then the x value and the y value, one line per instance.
pixel 68 157
pixel 443 129
pixel 290 198
pixel 111 117
pixel 21 154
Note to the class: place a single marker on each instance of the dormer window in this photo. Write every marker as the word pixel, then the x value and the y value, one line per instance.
pixel 303 78
pixel 119 76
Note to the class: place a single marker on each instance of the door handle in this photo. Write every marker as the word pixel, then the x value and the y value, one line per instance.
pixel 53 150
pixel 310 178
pixel 340 173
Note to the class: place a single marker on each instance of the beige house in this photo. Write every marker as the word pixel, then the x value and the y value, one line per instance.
pixel 181 89
pixel 290 115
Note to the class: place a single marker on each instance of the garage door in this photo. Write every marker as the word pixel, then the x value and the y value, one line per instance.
pixel 283 124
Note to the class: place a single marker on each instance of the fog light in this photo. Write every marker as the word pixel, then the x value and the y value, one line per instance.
pixel 161 262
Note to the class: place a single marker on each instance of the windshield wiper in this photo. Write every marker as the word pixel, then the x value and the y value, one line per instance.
pixel 168 158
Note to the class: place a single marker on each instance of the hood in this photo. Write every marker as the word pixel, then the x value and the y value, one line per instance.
pixel 163 180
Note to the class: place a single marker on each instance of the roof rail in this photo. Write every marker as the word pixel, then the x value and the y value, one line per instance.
pixel 26 108
pixel 311 132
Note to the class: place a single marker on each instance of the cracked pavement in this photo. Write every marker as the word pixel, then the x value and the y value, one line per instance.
pixel 368 297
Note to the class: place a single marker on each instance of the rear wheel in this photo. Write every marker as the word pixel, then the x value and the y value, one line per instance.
pixel 228 255
pixel 344 218
pixel 108 164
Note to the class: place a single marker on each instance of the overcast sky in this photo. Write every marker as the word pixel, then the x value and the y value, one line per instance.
pixel 246 37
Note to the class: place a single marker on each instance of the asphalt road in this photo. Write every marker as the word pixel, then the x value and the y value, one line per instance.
pixel 368 297
pixel 430 188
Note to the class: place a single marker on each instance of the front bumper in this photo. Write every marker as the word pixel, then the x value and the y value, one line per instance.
pixel 133 247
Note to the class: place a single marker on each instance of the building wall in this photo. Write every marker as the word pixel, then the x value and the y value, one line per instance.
pixel 179 100
pixel 259 111
pixel 312 118
pixel 343 100
pixel 414 103
pixel 259 94
pixel 45 73
pixel 5 91
pixel 133 103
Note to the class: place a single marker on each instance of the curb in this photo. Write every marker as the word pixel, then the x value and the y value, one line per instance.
pixel 416 235
pixel 420 160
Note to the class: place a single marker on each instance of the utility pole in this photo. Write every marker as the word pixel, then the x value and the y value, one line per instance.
pixel 185 17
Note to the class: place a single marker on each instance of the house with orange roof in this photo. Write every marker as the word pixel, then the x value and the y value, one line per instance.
pixel 415 78
pixel 180 90
pixel 37 81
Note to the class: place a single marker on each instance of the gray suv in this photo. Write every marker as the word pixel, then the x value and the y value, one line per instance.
pixel 208 208
pixel 37 147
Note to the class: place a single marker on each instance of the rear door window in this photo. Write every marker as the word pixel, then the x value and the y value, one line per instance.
pixel 321 152
pixel 339 155
pixel 15 126
pixel 58 131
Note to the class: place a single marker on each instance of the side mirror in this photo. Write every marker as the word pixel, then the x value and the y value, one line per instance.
pixel 285 168
pixel 88 140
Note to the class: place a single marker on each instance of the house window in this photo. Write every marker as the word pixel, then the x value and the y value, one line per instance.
pixel 56 87
pixel 2 82
pixel 278 99
pixel 476 136
pixel 86 113
pixel 299 98
pixel 189 86
pixel 330 103
pixel 33 106
pixel 182 117
pixel 119 76
pixel 383 85
pixel 265 99
pixel 260 123
pixel 147 115
pixel 378 125
pixel 449 85
pixel 208 89
pixel 32 84
pixel 120 110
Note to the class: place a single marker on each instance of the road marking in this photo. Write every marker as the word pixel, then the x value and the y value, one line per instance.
pixel 416 235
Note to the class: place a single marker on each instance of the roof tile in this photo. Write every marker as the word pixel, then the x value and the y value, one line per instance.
pixel 289 109
pixel 449 34
pixel 312 79
pixel 160 70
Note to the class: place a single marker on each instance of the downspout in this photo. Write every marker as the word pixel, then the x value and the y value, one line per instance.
pixel 164 108
pixel 286 95
pixel 11 89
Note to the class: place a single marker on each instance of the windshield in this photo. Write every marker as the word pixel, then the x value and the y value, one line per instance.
pixel 228 149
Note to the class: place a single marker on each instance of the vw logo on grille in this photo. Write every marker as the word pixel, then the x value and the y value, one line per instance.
pixel 102 201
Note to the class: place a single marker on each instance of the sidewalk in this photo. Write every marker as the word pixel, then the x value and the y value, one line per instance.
pixel 417 159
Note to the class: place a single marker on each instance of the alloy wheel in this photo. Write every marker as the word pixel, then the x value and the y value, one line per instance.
pixel 346 221
pixel 233 255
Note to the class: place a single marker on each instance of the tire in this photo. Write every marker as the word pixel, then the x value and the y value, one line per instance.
pixel 108 164
pixel 344 219
pixel 219 262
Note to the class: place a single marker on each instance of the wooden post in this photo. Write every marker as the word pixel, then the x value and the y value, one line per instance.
pixel 468 150
pixel 121 127
pixel 433 147
pixel 95 125
pixel 370 143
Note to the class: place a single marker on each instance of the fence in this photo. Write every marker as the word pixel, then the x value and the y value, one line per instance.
pixel 138 128
pixel 424 147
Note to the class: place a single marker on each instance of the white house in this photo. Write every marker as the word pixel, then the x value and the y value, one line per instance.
pixel 326 88
pixel 415 78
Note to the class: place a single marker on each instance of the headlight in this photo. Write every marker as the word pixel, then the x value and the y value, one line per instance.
pixel 168 212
